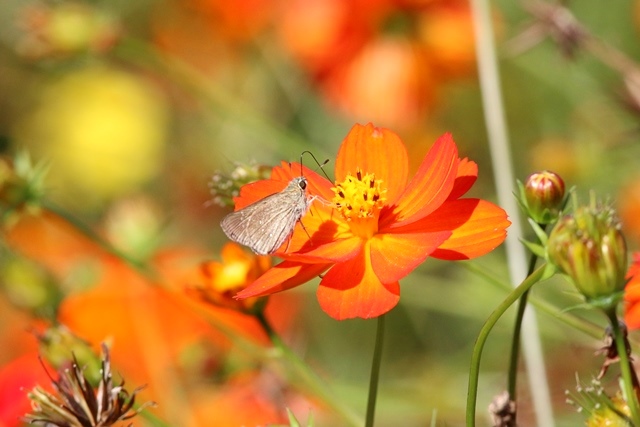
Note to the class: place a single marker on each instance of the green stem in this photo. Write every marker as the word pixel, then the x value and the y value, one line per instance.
pixel 152 419
pixel 512 376
pixel 266 326
pixel 474 371
pixel 628 377
pixel 314 384
pixel 375 373
pixel 588 328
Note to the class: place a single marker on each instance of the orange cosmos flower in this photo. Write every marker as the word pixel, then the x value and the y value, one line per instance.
pixel 632 294
pixel 221 280
pixel 378 227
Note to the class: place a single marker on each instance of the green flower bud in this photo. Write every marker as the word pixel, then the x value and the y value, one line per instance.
pixel 544 195
pixel 21 186
pixel 29 286
pixel 59 346
pixel 224 187
pixel 589 247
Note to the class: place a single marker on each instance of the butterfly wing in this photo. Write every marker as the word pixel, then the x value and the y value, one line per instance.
pixel 266 224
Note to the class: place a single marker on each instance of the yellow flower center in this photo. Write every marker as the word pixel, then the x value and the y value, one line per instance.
pixel 359 199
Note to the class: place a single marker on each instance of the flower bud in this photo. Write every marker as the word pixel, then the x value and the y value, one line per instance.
pixel 54 30
pixel 224 187
pixel 544 194
pixel 605 415
pixel 589 247
pixel 60 347
pixel 29 286
pixel 21 186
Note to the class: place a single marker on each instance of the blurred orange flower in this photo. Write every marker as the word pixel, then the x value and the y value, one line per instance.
pixel 150 326
pixel 16 378
pixel 238 20
pixel 382 60
pixel 446 32
pixel 389 81
pixel 378 227
pixel 248 399
pixel 628 206
pixel 632 294
pixel 220 281
pixel 323 34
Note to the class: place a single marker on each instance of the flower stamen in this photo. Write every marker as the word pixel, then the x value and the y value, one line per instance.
pixel 359 199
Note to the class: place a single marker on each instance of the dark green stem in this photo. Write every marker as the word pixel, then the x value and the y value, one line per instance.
pixel 266 326
pixel 629 379
pixel 512 376
pixel 474 371
pixel 375 373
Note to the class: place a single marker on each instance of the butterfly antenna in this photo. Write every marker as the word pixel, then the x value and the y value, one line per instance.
pixel 317 162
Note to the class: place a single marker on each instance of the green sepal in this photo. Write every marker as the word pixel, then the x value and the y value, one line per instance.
pixel 535 248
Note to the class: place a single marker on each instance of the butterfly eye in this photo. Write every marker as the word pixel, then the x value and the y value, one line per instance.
pixel 303 184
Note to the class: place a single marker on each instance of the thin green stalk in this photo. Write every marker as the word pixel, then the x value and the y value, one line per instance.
pixel 625 367
pixel 152 419
pixel 515 341
pixel 266 326
pixel 568 318
pixel 496 125
pixel 474 371
pixel 375 373
pixel 313 383
pixel 512 376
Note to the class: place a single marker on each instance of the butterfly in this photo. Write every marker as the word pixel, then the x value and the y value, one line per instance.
pixel 266 224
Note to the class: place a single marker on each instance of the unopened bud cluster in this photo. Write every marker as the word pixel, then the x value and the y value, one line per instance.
pixel 224 187
pixel 589 247
pixel 21 186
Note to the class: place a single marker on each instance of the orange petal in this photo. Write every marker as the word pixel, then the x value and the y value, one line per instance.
pixel 283 276
pixel 318 185
pixel 280 177
pixel 465 178
pixel 320 226
pixel 378 151
pixel 394 255
pixel 632 288
pixel 335 250
pixel 632 316
pixel 17 377
pixel 478 228
pixel 51 240
pixel 351 289
pixel 632 293
pixel 429 188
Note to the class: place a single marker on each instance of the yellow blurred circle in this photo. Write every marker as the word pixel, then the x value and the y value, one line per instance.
pixel 102 129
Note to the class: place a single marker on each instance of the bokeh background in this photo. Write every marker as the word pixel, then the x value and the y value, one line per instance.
pixel 135 105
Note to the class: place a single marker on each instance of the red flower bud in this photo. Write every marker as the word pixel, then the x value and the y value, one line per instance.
pixel 544 194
